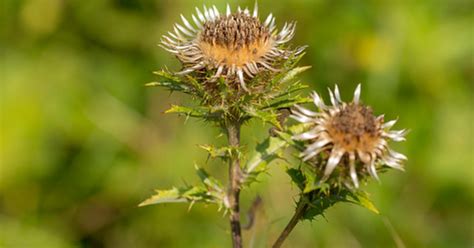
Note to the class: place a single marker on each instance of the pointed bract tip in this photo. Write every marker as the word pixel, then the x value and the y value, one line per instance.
pixel 357 94
pixel 228 10
pixel 255 9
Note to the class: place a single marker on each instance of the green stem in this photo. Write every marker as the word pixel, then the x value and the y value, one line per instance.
pixel 300 210
pixel 235 175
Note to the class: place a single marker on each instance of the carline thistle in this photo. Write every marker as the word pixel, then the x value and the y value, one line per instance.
pixel 352 136
pixel 236 46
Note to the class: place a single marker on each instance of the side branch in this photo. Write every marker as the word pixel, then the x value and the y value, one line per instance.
pixel 300 210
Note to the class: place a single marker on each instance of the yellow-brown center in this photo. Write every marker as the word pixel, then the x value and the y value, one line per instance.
pixel 236 39
pixel 354 128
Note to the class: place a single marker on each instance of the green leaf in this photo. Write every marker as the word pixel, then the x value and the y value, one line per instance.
pixel 321 202
pixel 268 116
pixel 185 194
pixel 187 84
pixel 293 60
pixel 292 88
pixel 170 85
pixel 193 112
pixel 197 112
pixel 292 74
pixel 291 131
pixel 299 128
pixel 212 191
pixel 308 176
pixel 212 183
pixel 297 177
pixel 198 87
pixel 264 154
pixel 287 102
pixel 168 80
pixel 311 183
pixel 219 152
pixel 361 198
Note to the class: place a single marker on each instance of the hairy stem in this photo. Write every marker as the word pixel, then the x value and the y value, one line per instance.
pixel 300 209
pixel 235 174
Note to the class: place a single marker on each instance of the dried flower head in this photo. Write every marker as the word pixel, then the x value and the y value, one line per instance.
pixel 236 45
pixel 355 139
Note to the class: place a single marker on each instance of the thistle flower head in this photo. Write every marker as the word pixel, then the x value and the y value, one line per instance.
pixel 355 139
pixel 235 45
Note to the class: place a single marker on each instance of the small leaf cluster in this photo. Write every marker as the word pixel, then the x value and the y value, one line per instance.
pixel 220 99
pixel 318 199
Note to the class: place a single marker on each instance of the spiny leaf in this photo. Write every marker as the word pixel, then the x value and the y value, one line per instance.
pixel 307 180
pixel 297 177
pixel 299 128
pixel 295 87
pixel 294 60
pixel 170 85
pixel 264 154
pixel 206 113
pixel 185 194
pixel 318 203
pixel 292 88
pixel 195 84
pixel 167 75
pixel 310 183
pixel 287 102
pixel 209 181
pixel 361 198
pixel 170 81
pixel 213 192
pixel 266 116
pixel 287 135
pixel 293 73
pixel 193 112
pixel 219 152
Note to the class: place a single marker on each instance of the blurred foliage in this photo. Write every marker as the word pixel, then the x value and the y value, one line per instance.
pixel 83 141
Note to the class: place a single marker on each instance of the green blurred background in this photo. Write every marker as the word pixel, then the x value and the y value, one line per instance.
pixel 83 141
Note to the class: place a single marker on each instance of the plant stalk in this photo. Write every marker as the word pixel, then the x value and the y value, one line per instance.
pixel 300 210
pixel 235 175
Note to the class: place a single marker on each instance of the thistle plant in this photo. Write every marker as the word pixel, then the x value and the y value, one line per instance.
pixel 238 67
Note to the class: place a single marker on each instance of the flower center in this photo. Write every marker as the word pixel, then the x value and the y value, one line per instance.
pixel 236 39
pixel 354 127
